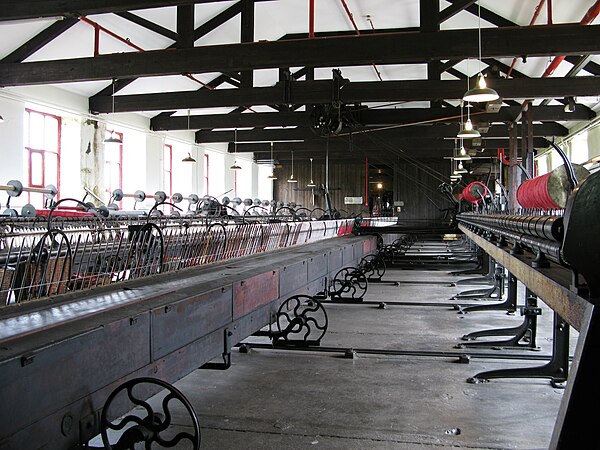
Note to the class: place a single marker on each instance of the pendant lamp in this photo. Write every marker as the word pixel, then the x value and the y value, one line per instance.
pixel 112 139
pixel 292 179
pixel 480 93
pixel 235 165
pixel 272 176
pixel 312 183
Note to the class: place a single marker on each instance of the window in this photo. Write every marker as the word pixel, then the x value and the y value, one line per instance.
pixel 168 169
pixel 206 166
pixel 42 152
pixel 113 165
pixel 167 174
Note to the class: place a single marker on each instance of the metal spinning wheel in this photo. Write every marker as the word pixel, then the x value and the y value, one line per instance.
pixel 153 427
pixel 350 283
pixel 373 267
pixel 301 320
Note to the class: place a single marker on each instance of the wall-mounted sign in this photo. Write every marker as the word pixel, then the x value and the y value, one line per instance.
pixel 398 203
pixel 353 200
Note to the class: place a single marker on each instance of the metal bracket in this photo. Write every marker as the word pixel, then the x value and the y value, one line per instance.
pixel 226 355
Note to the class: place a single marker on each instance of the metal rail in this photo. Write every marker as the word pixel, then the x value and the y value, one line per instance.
pixel 38 260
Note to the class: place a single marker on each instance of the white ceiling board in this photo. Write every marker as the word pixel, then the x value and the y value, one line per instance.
pixel 16 34
pixel 403 71
pixel 266 77
pixel 204 111
pixel 385 13
pixel 165 17
pixel 275 19
pixel 172 83
pixel 228 33
pixel 76 42
pixel 86 89
pixel 203 12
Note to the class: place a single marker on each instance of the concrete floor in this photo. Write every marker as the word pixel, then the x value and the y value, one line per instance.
pixel 278 399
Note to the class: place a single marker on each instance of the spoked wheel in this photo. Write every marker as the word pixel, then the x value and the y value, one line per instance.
pixel 301 320
pixel 373 267
pixel 349 283
pixel 154 426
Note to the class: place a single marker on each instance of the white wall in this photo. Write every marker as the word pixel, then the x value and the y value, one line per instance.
pixel 82 151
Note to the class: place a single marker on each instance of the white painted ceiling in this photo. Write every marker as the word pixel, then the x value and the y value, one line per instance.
pixel 274 19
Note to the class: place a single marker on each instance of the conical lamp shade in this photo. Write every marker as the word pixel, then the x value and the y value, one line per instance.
pixel 481 93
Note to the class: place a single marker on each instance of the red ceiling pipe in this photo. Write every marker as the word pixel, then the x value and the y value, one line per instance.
pixel 536 13
pixel 590 15
pixel 549 12
pixel 311 19
pixel 97 26
pixel 351 16
pixel 366 181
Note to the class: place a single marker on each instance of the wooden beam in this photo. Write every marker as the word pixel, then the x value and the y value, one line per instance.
pixel 316 92
pixel 367 117
pixel 438 131
pixel 392 48
pixel 341 144
pixel 19 10
pixel 185 26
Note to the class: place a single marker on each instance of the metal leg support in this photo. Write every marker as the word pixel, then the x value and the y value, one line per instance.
pixel 556 370
pixel 510 304
pixel 487 279
pixel 523 336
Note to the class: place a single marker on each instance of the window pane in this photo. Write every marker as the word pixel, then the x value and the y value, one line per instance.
pixel 51 134
pixel 51 169
pixel 26 130
pixel 36 130
pixel 36 174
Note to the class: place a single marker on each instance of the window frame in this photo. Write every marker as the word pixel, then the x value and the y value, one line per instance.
pixel 29 150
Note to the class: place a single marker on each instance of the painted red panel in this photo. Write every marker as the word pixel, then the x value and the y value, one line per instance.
pixel 255 291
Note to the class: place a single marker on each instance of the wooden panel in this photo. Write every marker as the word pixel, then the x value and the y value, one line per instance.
pixel 36 383
pixel 292 277
pixel 317 266
pixel 418 189
pixel 347 255
pixel 335 260
pixel 345 180
pixel 253 292
pixel 178 324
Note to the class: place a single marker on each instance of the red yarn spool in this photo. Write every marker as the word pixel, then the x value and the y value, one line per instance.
pixel 549 191
pixel 534 193
pixel 474 192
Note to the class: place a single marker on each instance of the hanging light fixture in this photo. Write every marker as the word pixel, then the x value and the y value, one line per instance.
pixel 272 176
pixel 312 183
pixel 112 139
pixel 292 179
pixel 481 93
pixel 235 165
pixel 467 132
pixel 461 153
pixel 460 168
pixel 189 158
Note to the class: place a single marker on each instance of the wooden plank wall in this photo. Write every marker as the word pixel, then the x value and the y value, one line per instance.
pixel 345 180
pixel 418 189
